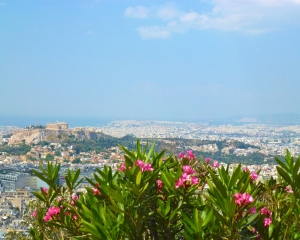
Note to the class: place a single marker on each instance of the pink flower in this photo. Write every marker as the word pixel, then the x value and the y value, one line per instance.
pixel 45 190
pixel 52 211
pixel 253 176
pixel 207 160
pixel 195 180
pixel 159 184
pixel 96 191
pixel 34 213
pixel 179 183
pixel 74 197
pixel 163 159
pixel 187 179
pixel 75 217
pixel 259 237
pixel 252 210
pixel 122 168
pixel 47 218
pixel 147 167
pixel 139 163
pixel 143 166
pixel 188 169
pixel 68 213
pixel 289 190
pixel 59 199
pixel 267 222
pixel 266 211
pixel 243 199
pixel 189 155
pixel 238 199
pixel 247 198
pixel 215 164
pixel 246 169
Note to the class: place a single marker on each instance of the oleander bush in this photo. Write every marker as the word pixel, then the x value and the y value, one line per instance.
pixel 152 196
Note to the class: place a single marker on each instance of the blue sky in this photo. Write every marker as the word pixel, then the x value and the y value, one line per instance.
pixel 158 60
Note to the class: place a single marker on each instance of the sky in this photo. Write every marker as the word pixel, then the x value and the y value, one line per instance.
pixel 154 60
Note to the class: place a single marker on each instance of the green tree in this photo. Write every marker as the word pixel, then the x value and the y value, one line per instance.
pixel 76 160
pixel 49 157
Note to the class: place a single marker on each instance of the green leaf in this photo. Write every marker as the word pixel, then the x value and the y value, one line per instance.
pixel 166 181
pixel 76 176
pixel 220 186
pixel 39 196
pixel 116 196
pixel 284 166
pixel 115 208
pixel 284 175
pixel 174 212
pixel 40 176
pixel 150 152
pixel 167 209
pixel 220 217
pixel 88 227
pixel 138 179
pixel 234 177
pixel 208 217
pixel 187 219
pixel 296 168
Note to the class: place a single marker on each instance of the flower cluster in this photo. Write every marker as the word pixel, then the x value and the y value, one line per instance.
pixel 45 190
pixel 252 210
pixel 69 214
pixel 159 184
pixel 216 164
pixel 243 199
pixel 189 155
pixel 186 179
pixel 34 213
pixel 207 160
pixel 74 198
pixel 122 167
pixel 96 191
pixel 289 190
pixel 52 211
pixel 253 176
pixel 268 213
pixel 143 166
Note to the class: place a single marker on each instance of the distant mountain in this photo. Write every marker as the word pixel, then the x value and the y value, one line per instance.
pixel 280 118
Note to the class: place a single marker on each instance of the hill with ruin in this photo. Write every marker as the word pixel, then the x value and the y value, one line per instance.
pixel 54 132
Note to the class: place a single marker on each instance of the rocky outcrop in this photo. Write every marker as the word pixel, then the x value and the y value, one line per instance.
pixel 38 135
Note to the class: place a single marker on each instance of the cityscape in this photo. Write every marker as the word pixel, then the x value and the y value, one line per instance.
pixel 17 181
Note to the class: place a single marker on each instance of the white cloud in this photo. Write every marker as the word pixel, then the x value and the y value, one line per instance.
pixel 154 32
pixel 167 12
pixel 249 16
pixel 137 12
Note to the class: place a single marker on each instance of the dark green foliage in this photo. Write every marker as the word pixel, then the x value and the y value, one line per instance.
pixel 76 160
pixel 20 149
pixel 101 144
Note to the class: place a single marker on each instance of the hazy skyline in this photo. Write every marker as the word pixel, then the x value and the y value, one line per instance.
pixel 158 60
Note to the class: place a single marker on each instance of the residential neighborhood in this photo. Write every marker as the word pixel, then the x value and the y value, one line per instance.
pixel 17 182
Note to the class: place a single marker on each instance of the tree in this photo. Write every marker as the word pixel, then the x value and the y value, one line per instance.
pixel 49 157
pixel 57 153
pixel 76 160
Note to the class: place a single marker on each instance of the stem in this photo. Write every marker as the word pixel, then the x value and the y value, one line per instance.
pixel 288 225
